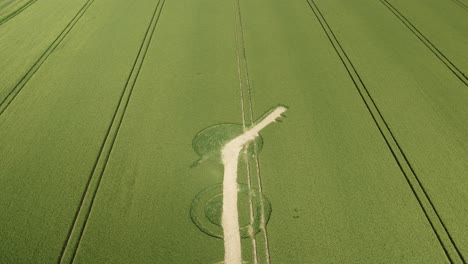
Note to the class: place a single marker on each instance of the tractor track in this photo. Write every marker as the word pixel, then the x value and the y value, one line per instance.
pixel 83 212
pixel 5 103
pixel 446 61
pixel 427 206
pixel 16 12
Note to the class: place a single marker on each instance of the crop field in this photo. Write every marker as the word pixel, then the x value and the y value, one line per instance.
pixel 233 131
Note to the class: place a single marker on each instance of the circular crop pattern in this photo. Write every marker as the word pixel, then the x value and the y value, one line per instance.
pixel 210 141
pixel 206 210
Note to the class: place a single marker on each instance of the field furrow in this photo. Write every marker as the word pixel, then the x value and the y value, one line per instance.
pixel 94 181
pixel 461 4
pixel 51 134
pixel 27 41
pixel 412 179
pixel 423 103
pixel 440 26
pixel 10 8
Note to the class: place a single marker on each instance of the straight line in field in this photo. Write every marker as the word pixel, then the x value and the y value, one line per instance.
pixel 230 156
pixel 460 4
pixel 71 246
pixel 245 154
pixel 452 67
pixel 20 85
pixel 16 12
pixel 416 186
pixel 242 57
pixel 257 162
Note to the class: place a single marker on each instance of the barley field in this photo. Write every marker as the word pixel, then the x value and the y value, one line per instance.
pixel 324 131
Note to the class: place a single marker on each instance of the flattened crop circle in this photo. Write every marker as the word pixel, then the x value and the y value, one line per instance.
pixel 210 140
pixel 206 210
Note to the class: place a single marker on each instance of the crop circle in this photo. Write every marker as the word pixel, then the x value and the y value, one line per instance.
pixel 206 210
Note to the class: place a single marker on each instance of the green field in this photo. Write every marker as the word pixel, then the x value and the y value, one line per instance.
pixel 114 113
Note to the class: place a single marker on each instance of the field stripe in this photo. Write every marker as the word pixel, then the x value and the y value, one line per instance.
pixel 240 45
pixel 460 4
pixel 245 154
pixel 452 67
pixel 20 85
pixel 445 239
pixel 81 217
pixel 230 156
pixel 16 12
pixel 241 72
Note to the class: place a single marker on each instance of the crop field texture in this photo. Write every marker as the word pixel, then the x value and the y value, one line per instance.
pixel 233 131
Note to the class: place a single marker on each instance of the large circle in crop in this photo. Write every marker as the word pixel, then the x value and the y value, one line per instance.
pixel 206 210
